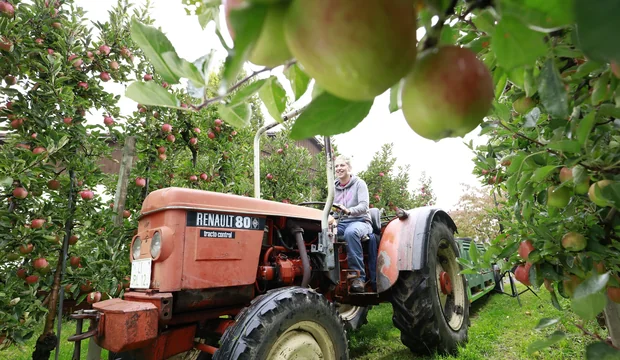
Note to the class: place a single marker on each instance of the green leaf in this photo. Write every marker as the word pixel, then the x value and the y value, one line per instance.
pixel 585 126
pixel 183 68
pixel 394 95
pixel 596 21
pixel 247 91
pixel 601 351
pixel 588 300
pixel 545 343
pixel 555 302
pixel 274 97
pixel 6 181
pixel 540 15
pixel 299 80
pixel 151 93
pixel 211 13
pixel 247 22
pixel 546 322
pixel 552 92
pixel 529 83
pixel 448 36
pixel 474 255
pixel 541 173
pixel 485 21
pixel 236 115
pixel 611 193
pixel 329 115
pixel 515 44
pixel 569 146
pixel 509 250
pixel 154 44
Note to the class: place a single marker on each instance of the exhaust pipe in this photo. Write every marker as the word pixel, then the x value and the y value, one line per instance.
pixel 305 261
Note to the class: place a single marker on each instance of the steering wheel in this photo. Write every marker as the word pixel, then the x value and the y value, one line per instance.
pixel 322 203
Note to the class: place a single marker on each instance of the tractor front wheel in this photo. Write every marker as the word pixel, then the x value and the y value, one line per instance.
pixel 430 305
pixel 287 323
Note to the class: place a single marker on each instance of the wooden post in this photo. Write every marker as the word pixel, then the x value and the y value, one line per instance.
pixel 612 321
pixel 129 151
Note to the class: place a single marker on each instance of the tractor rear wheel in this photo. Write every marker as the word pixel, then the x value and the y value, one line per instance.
pixel 430 305
pixel 287 323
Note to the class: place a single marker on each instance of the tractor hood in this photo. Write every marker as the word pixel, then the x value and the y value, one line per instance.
pixel 190 199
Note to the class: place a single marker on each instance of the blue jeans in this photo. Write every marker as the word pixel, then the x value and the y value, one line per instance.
pixel 353 232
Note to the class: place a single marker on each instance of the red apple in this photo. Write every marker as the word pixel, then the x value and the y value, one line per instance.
pixel 522 274
pixel 233 133
pixel 193 141
pixel 155 114
pixel 17 123
pixel 53 184
pixel 32 279
pixel 280 151
pixel 211 135
pixel 10 80
pixel 6 44
pixel 20 193
pixel 108 121
pixel 162 157
pixel 218 122
pixel 37 223
pixel 73 240
pixel 204 176
pixel 166 128
pixel 83 85
pixel 614 294
pixel 33 135
pixel 41 264
pixel 126 213
pixel 525 248
pixel 50 51
pixel 197 130
pixel 26 249
pixel 269 176
pixel 39 41
pixel 93 297
pixel 105 76
pixel 7 10
pixel 104 49
pixel 22 273
pixel 74 261
pixel 141 182
pixel 68 288
pixel 193 178
pixel 381 174
pixel 87 194
pixel 114 65
pixel 170 138
pixel 148 77
pixel 161 149
pixel 38 150
pixel 164 84
pixel 125 52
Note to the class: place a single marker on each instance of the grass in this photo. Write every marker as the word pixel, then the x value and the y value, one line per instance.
pixel 500 329
pixel 66 348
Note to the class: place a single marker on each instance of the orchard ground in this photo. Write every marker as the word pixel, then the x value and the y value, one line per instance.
pixel 500 329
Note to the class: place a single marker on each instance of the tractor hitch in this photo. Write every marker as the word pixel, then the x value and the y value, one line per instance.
pixel 94 316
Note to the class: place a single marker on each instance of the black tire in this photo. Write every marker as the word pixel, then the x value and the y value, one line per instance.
pixel 259 328
pixel 353 318
pixel 416 302
pixel 499 282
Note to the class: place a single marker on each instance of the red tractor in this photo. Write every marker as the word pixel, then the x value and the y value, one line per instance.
pixel 219 276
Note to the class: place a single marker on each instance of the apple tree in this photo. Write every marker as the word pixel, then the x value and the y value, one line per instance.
pixel 54 227
pixel 474 214
pixel 539 76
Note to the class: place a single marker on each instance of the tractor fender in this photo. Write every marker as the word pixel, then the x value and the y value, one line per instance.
pixel 404 242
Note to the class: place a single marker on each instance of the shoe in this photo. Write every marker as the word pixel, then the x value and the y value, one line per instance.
pixel 357 286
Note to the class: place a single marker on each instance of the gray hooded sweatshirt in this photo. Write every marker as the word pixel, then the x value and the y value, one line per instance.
pixel 354 196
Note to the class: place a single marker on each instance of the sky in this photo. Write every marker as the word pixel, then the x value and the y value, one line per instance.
pixel 448 162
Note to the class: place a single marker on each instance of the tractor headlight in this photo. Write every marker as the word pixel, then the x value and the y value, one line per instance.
pixel 136 248
pixel 156 244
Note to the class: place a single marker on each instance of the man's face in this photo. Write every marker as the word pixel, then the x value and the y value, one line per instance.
pixel 342 170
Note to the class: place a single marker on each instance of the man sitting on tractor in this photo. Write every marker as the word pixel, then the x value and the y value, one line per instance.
pixel 351 194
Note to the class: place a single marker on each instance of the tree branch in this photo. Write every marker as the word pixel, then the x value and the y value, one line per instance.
pixel 595 336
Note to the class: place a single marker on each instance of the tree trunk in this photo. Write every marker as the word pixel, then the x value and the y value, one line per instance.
pixel 612 320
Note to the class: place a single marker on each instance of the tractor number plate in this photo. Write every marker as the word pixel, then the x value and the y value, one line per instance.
pixel 140 274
